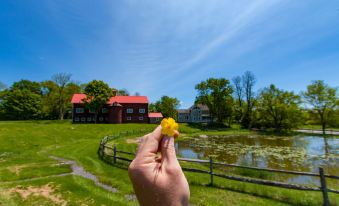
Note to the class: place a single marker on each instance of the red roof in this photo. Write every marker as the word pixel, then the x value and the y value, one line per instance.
pixel 77 98
pixel 129 99
pixel 155 114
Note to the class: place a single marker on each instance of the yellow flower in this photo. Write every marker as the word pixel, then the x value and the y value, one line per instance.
pixel 168 127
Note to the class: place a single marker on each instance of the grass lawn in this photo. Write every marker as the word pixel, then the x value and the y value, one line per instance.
pixel 25 147
pixel 317 127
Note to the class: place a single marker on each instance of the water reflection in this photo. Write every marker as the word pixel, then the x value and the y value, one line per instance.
pixel 301 153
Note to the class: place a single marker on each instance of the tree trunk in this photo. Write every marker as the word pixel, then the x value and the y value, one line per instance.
pixel 61 114
pixel 323 125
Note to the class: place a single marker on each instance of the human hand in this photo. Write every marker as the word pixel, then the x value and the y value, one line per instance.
pixel 158 180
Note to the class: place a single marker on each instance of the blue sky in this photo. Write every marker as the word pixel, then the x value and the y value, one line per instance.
pixel 166 47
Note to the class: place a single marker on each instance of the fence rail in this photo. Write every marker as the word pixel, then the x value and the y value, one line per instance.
pixel 323 186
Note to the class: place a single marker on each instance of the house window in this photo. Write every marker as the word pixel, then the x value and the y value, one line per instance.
pixel 101 119
pixel 83 119
pixel 76 119
pixel 92 111
pixel 104 110
pixel 141 118
pixel 142 111
pixel 79 110
pixel 129 118
pixel 129 110
pixel 89 119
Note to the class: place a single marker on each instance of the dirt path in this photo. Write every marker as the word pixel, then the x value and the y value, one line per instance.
pixel 80 171
pixel 76 170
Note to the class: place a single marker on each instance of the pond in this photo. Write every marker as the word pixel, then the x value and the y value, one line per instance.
pixel 299 153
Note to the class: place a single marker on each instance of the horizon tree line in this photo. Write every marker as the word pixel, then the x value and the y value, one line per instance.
pixel 269 107
pixel 229 102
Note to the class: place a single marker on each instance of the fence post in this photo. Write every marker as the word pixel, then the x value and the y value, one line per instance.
pixel 323 187
pixel 114 154
pixel 211 171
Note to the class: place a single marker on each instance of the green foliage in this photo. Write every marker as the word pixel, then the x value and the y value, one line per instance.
pixel 152 107
pixel 167 106
pixel 97 94
pixel 2 86
pixel 278 109
pixel 216 94
pixel 27 85
pixel 33 100
pixel 324 101
pixel 22 101
pixel 56 101
pixel 62 81
pixel 245 99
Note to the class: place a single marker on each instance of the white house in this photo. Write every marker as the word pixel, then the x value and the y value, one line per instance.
pixel 196 113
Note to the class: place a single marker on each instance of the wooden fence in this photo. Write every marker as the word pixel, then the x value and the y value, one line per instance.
pixel 112 157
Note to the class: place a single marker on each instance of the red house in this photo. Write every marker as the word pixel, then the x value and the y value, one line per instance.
pixel 119 109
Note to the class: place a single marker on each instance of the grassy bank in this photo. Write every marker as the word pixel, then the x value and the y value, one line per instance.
pixel 317 127
pixel 26 145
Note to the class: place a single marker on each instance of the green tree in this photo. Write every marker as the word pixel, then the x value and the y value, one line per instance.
pixel 2 86
pixel 62 80
pixel 245 98
pixel 217 95
pixel 152 107
pixel 51 99
pixel 248 81
pixel 279 109
pixel 323 99
pixel 97 94
pixel 27 85
pixel 22 100
pixel 239 98
pixel 49 108
pixel 167 106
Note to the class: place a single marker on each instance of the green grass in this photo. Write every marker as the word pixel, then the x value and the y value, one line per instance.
pixel 317 127
pixel 26 145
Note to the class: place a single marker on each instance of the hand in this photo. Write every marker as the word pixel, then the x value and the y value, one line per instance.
pixel 158 180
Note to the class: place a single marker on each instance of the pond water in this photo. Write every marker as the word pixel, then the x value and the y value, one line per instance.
pixel 299 153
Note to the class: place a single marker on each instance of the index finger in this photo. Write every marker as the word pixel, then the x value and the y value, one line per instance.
pixel 150 143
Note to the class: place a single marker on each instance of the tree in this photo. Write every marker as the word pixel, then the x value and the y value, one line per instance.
pixel 27 85
pixel 248 81
pixel 2 86
pixel 167 106
pixel 22 100
pixel 216 94
pixel 97 94
pixel 62 80
pixel 279 109
pixel 152 107
pixel 239 96
pixel 49 108
pixel 123 92
pixel 323 99
pixel 51 99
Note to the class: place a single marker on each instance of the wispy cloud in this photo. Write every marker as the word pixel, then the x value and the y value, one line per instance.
pixel 166 47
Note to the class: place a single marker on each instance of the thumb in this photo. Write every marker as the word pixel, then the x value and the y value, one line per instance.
pixel 168 153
